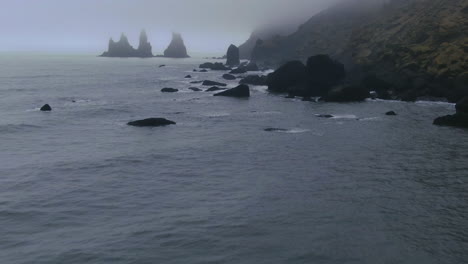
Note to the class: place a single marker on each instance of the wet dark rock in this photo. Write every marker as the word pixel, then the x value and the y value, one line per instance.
pixel 232 55
pixel 169 90
pixel 46 108
pixel 212 83
pixel 290 74
pixel 239 91
pixel 391 113
pixel 188 76
pixel 229 77
pixel 195 89
pixel 323 73
pixel 325 116
pixel 176 48
pixel 254 80
pixel 238 71
pixel 252 66
pixel 273 129
pixel 459 119
pixel 204 70
pixel 217 66
pixel 195 70
pixel 342 94
pixel 151 122
pixel 214 89
pixel 195 82
pixel 162 65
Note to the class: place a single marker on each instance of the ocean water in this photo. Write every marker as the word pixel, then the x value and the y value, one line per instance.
pixel 77 185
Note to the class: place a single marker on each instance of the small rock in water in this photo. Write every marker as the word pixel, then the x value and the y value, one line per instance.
pixel 229 77
pixel 239 91
pixel 273 129
pixel 195 82
pixel 169 90
pixel 162 65
pixel 204 70
pixel 195 89
pixel 391 113
pixel 194 70
pixel 325 116
pixel 151 122
pixel 211 83
pixel 188 76
pixel 214 89
pixel 46 108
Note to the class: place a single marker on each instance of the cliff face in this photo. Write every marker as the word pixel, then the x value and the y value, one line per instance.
pixel 176 48
pixel 419 45
pixel 123 49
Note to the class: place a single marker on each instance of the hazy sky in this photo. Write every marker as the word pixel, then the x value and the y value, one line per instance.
pixel 86 25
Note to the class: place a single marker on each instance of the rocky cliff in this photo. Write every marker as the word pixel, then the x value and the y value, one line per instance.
pixel 123 49
pixel 176 48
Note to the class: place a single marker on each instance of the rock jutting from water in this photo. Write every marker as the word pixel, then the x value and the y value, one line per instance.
pixel 212 83
pixel 46 108
pixel 459 119
pixel 176 48
pixel 232 56
pixel 254 80
pixel 229 77
pixel 169 90
pixel 123 49
pixel 151 122
pixel 239 91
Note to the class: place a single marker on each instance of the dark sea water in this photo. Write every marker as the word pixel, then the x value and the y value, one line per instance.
pixel 77 185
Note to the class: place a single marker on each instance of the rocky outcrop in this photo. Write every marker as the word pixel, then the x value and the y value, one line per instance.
pixel 229 77
pixel 214 89
pixel 344 94
pixel 459 119
pixel 316 79
pixel 176 48
pixel 123 49
pixel 232 56
pixel 151 122
pixel 239 91
pixel 217 66
pixel 391 113
pixel 169 90
pixel 46 108
pixel 254 80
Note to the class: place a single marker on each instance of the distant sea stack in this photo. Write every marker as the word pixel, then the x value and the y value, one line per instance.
pixel 123 49
pixel 177 48
pixel 233 57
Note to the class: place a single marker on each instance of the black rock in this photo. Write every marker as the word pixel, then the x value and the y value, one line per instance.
pixel 176 48
pixel 391 113
pixel 245 68
pixel 151 122
pixel 456 120
pixel 307 99
pixel 240 91
pixel 204 70
pixel 169 90
pixel 214 89
pixel 343 94
pixel 195 82
pixel 123 49
pixel 325 116
pixel 273 129
pixel 229 77
pixel 233 57
pixel 238 71
pixel 162 65
pixel 195 89
pixel 323 73
pixel 46 108
pixel 290 74
pixel 211 83
pixel 194 70
pixel 188 76
pixel 462 106
pixel 254 80
pixel 217 66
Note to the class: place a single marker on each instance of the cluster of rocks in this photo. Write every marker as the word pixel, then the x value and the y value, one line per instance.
pixel 123 49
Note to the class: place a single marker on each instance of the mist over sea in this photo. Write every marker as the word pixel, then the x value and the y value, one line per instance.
pixel 77 185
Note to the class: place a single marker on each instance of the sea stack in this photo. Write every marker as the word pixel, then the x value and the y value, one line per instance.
pixel 233 57
pixel 123 49
pixel 177 48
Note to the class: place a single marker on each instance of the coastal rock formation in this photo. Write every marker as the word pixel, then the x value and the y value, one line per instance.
pixel 151 122
pixel 286 77
pixel 239 91
pixel 342 94
pixel 212 83
pixel 176 48
pixel 229 77
pixel 254 80
pixel 123 49
pixel 232 55
pixel 217 66
pixel 214 89
pixel 459 119
pixel 169 90
pixel 46 108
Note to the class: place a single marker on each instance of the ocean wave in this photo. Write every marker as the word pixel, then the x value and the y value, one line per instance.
pixel 14 128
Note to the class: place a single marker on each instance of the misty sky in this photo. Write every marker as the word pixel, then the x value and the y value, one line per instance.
pixel 86 25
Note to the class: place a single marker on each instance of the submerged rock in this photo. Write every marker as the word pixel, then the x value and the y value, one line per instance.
pixel 212 83
pixel 233 57
pixel 325 116
pixel 188 76
pixel 176 48
pixel 195 89
pixel 46 108
pixel 273 129
pixel 229 77
pixel 151 122
pixel 239 91
pixel 169 90
pixel 391 113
